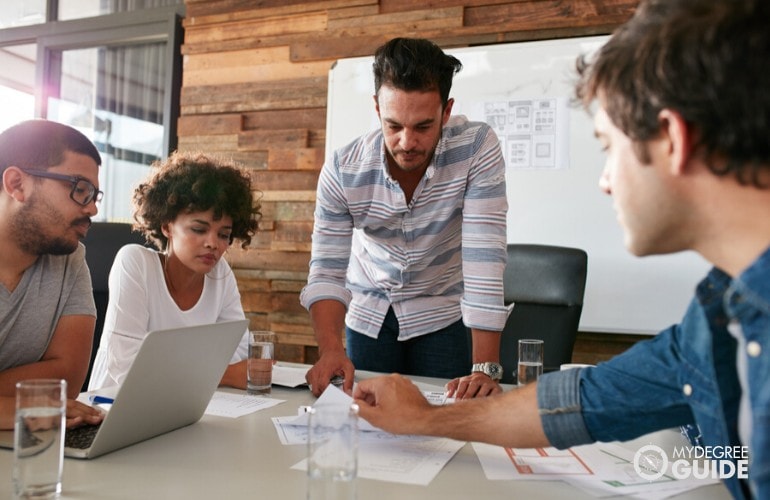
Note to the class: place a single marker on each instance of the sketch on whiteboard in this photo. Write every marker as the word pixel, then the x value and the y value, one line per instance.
pixel 531 131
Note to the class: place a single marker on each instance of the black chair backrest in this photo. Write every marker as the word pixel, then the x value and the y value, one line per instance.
pixel 547 284
pixel 102 242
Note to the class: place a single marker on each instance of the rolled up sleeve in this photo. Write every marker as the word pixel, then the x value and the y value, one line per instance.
pixel 558 401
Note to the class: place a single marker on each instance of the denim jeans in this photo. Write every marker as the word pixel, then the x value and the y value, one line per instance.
pixel 445 353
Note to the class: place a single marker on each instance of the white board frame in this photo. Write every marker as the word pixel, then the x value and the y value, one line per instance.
pixel 624 294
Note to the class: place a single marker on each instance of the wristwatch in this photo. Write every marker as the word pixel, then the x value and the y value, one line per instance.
pixel 490 369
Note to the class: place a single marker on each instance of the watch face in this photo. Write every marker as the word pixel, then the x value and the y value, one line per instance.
pixel 492 370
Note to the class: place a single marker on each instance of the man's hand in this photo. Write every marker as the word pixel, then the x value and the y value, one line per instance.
pixel 475 385
pixel 79 414
pixel 392 403
pixel 330 364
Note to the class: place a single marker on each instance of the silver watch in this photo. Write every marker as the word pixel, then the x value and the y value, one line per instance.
pixel 490 369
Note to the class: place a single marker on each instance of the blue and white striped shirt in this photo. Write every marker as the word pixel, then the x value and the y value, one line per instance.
pixel 434 261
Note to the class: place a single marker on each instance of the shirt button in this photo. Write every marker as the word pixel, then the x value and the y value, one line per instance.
pixel 753 349
pixel 687 389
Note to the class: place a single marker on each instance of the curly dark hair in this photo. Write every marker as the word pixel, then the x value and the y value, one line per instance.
pixel 414 64
pixel 706 60
pixel 195 182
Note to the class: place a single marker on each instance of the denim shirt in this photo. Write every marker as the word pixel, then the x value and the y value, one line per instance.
pixel 685 375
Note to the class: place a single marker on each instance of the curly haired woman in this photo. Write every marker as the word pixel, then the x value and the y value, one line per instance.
pixel 192 207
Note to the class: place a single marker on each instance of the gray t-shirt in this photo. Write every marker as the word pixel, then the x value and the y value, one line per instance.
pixel 54 286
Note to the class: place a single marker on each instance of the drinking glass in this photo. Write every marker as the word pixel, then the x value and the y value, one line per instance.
pixel 38 444
pixel 530 360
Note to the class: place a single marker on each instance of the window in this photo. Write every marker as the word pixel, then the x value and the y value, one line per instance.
pixel 17 84
pixel 114 77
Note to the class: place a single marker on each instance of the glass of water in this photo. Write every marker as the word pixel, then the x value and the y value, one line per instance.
pixel 38 448
pixel 332 460
pixel 259 366
pixel 530 360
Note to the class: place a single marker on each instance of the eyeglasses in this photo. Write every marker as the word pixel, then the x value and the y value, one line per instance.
pixel 83 192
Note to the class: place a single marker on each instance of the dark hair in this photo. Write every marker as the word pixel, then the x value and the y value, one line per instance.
pixel 40 145
pixel 414 64
pixel 705 59
pixel 195 182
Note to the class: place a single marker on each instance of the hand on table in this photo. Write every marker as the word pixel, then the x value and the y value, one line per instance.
pixel 330 364
pixel 475 385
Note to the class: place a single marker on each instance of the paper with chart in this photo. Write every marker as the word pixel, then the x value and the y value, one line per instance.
pixel 533 133
pixel 602 469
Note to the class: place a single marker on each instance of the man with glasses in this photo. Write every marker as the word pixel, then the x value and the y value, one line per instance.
pixel 47 314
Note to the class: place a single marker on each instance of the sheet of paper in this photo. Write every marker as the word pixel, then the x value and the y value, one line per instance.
pixel 288 433
pixel 401 459
pixel 601 469
pixel 381 455
pixel 534 463
pixel 226 404
pixel 336 396
pixel 615 475
pixel 289 376
pixel 331 395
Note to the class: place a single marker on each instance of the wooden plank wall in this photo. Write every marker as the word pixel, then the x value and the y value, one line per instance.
pixel 254 89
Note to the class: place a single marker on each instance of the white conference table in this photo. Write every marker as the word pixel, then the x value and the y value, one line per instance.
pixel 224 458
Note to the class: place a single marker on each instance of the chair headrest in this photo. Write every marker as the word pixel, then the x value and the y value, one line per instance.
pixel 545 274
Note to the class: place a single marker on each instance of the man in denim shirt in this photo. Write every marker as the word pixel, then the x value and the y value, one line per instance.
pixel 684 114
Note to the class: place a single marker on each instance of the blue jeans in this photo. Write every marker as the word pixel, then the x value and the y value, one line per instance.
pixel 445 353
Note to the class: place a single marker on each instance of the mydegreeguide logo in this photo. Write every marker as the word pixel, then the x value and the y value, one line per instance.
pixel 715 462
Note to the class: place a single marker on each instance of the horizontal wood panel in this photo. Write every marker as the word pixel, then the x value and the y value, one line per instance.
pixel 296 158
pixel 286 118
pixel 259 72
pixel 236 59
pixel 254 140
pixel 269 274
pixel 387 6
pixel 527 16
pixel 384 23
pixel 282 181
pixel 301 93
pixel 277 195
pixel 213 12
pixel 263 27
pixel 210 124
pixel 268 260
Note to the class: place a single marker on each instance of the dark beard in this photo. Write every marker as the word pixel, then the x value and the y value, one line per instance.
pixel 28 228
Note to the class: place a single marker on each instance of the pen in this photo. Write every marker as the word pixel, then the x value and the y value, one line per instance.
pixel 101 400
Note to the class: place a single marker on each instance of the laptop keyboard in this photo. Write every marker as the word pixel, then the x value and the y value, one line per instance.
pixel 80 437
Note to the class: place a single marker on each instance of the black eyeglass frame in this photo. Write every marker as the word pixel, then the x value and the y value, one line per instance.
pixel 93 193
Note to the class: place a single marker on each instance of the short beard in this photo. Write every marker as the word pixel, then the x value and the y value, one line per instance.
pixel 28 229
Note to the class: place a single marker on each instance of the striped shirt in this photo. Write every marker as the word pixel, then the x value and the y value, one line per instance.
pixel 435 260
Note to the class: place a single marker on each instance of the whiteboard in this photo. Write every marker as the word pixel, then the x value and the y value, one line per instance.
pixel 557 205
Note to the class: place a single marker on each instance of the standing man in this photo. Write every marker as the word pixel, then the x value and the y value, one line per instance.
pixel 684 115
pixel 47 314
pixel 409 243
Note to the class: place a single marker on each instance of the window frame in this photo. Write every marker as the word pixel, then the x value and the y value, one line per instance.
pixel 159 24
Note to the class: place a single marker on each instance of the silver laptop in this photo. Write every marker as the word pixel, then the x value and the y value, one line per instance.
pixel 168 386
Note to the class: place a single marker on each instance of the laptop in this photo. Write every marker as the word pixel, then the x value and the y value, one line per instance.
pixel 168 386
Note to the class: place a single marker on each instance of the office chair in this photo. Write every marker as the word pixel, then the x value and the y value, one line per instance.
pixel 102 242
pixel 546 284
